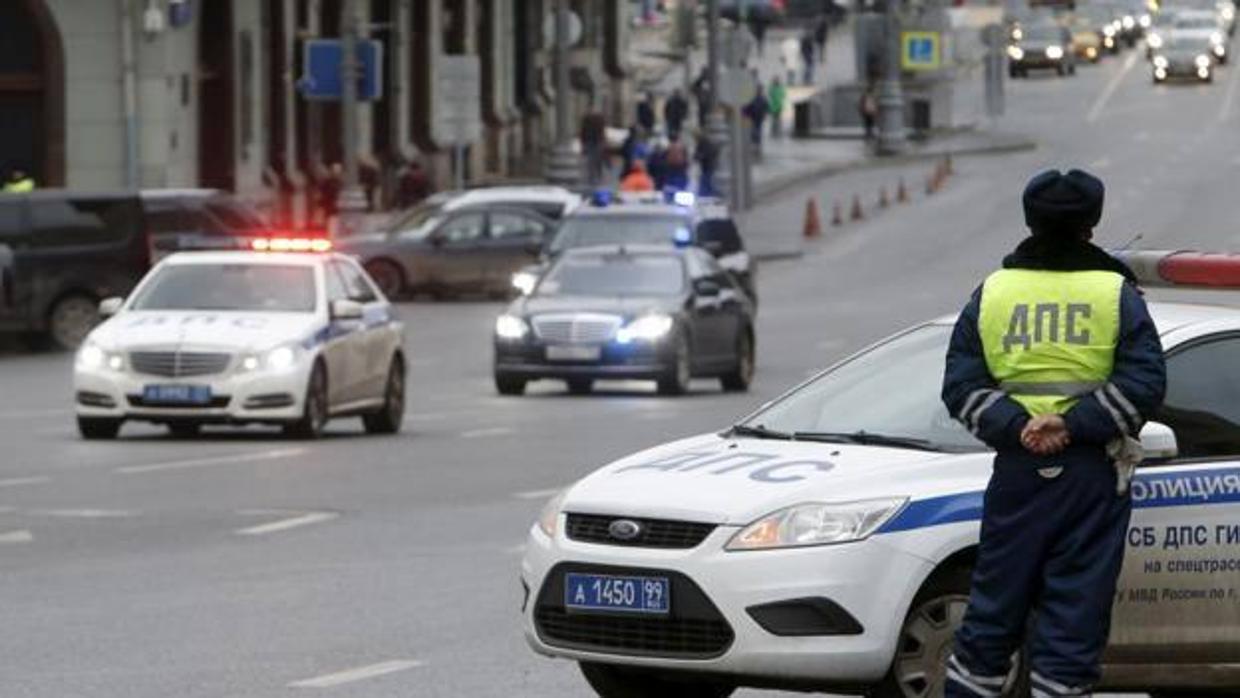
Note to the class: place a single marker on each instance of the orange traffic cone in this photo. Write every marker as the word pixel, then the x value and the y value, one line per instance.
pixel 901 192
pixel 857 214
pixel 837 215
pixel 883 201
pixel 812 227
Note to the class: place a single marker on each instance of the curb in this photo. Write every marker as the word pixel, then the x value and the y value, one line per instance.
pixel 782 183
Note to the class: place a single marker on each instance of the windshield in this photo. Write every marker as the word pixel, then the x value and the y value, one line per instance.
pixel 1186 43
pixel 239 287
pixel 614 275
pixel 892 390
pixel 585 231
pixel 1043 34
pixel 1196 23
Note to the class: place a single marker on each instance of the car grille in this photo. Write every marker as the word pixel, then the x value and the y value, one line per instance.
pixel 178 364
pixel 654 533
pixel 583 329
pixel 695 629
pixel 217 401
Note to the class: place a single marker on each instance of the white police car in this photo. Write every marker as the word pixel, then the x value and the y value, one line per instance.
pixel 825 542
pixel 283 338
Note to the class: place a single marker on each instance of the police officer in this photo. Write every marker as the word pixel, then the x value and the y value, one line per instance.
pixel 1056 365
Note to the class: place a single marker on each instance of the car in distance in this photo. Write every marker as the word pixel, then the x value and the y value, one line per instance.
pixel 648 312
pixel 288 339
pixel 1183 57
pixel 1205 26
pixel 826 541
pixel 457 250
pixel 1041 46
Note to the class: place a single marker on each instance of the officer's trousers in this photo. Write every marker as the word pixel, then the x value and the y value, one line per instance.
pixel 1051 550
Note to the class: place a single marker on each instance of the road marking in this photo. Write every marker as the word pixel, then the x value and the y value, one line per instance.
pixel 22 536
pixel 538 494
pixel 1229 98
pixel 490 431
pixel 273 454
pixel 358 674
pixel 1111 87
pixel 33 414
pixel 22 481
pixel 87 513
pixel 286 524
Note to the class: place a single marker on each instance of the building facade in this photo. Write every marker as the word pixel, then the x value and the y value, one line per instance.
pixel 105 94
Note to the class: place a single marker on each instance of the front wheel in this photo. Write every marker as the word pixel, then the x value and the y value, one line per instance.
pixel 387 276
pixel 675 379
pixel 98 428
pixel 508 384
pixel 610 681
pixel 741 376
pixel 314 414
pixel 388 419
pixel 71 319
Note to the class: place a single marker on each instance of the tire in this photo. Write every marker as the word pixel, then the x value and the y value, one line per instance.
pixel 739 378
pixel 1013 73
pixel 509 385
pixel 675 381
pixel 98 428
pixel 315 412
pixel 580 386
pixel 918 669
pixel 184 430
pixel 388 419
pixel 610 681
pixel 1061 70
pixel 388 276
pixel 71 319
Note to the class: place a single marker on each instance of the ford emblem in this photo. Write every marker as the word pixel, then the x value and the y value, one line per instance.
pixel 624 529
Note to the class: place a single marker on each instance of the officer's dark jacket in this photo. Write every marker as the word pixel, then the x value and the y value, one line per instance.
pixel 1139 374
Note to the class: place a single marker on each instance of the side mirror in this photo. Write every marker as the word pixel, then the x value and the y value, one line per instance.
pixel 345 310
pixel 714 247
pixel 707 288
pixel 1158 441
pixel 110 306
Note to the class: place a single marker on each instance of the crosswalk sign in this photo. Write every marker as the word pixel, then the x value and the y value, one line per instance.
pixel 920 50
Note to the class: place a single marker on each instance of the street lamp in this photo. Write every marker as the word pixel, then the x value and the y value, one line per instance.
pixel 351 202
pixel 892 138
pixel 564 167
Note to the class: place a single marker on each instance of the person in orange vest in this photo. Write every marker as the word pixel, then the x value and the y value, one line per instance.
pixel 637 178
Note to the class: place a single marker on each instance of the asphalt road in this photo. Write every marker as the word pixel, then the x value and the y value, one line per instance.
pixel 243 565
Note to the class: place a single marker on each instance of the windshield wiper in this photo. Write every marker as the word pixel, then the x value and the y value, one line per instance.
pixel 758 432
pixel 867 438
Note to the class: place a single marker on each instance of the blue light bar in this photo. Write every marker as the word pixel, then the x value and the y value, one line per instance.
pixel 601 197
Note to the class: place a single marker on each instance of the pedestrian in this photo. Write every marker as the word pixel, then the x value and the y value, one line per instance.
pixel 633 148
pixel 675 165
pixel 757 27
pixel 413 185
pixel 821 31
pixel 637 179
pixel 777 97
pixel 756 111
pixel 790 58
pixel 19 182
pixel 645 113
pixel 867 107
pixel 807 55
pixel 593 136
pixel 369 175
pixel 707 156
pixel 656 162
pixel 330 182
pixel 1055 364
pixel 702 93
pixel 675 111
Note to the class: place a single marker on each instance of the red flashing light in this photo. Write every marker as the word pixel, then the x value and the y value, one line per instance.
pixel 1201 269
pixel 291 245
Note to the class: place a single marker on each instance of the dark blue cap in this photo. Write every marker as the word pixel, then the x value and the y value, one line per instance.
pixel 1056 202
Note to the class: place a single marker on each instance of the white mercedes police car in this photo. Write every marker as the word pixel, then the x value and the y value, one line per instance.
pixel 825 542
pixel 285 338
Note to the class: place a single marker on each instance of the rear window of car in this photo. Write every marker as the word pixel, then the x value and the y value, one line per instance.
pixel 587 231
pixel 82 221
pixel 720 236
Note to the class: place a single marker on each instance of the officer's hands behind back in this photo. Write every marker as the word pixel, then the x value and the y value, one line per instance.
pixel 1045 435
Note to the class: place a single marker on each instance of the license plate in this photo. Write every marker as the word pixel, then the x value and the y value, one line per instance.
pixel 176 394
pixel 573 353
pixel 621 594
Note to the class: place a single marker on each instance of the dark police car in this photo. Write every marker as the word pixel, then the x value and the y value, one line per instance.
pixel 648 312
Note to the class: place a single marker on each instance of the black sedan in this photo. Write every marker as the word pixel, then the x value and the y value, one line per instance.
pixel 1042 46
pixel 442 252
pixel 632 312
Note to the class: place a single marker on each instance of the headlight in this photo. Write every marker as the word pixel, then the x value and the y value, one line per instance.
pixel 549 517
pixel 1017 34
pixel 1145 21
pixel 92 357
pixel 1228 14
pixel 1054 52
pixel 647 328
pixel 524 282
pixel 1203 61
pixel 1015 53
pixel 1154 40
pixel 510 327
pixel 1108 31
pixel 1129 21
pixel 1160 62
pixel 1220 50
pixel 816 524
pixel 280 358
pixel 1217 39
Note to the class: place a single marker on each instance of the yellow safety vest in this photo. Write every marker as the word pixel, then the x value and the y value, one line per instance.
pixel 1049 336
pixel 21 186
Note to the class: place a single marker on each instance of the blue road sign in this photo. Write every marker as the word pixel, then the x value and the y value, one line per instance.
pixel 320 73
pixel 921 50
